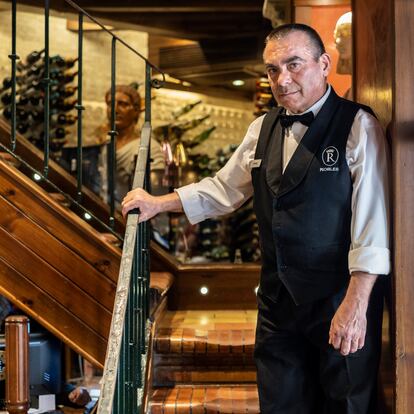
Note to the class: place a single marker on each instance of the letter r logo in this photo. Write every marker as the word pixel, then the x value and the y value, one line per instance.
pixel 330 156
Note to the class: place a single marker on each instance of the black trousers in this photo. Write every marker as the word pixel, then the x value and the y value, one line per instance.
pixel 298 372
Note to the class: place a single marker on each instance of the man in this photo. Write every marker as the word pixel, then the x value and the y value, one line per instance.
pixel 320 187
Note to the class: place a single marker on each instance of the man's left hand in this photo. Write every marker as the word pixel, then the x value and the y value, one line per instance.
pixel 349 324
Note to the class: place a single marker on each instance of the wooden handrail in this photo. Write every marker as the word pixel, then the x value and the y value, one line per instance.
pixel 17 364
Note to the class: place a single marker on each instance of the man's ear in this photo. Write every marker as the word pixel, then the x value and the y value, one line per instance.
pixel 325 62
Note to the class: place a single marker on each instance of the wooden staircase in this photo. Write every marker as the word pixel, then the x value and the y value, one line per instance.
pixel 62 273
pixel 56 268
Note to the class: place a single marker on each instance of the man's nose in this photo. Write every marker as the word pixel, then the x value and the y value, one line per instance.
pixel 284 78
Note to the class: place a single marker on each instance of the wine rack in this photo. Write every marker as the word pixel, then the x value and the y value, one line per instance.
pixel 264 100
pixel 30 99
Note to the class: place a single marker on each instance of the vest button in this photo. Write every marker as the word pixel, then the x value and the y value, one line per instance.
pixel 283 267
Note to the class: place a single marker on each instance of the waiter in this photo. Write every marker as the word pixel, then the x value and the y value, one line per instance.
pixel 317 169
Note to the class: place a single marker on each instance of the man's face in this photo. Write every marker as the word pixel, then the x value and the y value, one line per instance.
pixel 126 113
pixel 297 79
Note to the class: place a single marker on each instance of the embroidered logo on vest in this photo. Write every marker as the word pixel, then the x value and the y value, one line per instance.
pixel 330 157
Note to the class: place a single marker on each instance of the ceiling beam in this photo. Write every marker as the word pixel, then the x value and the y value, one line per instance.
pixel 210 19
pixel 179 6
pixel 189 28
pixel 173 9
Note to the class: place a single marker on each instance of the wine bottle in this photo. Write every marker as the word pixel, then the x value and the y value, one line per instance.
pixel 6 98
pixel 22 127
pixel 34 56
pixel 63 119
pixel 7 112
pixel 69 91
pixel 56 145
pixel 66 104
pixel 21 66
pixel 37 116
pixel 185 126
pixel 23 100
pixel 57 74
pixel 185 109
pixel 24 80
pixel 54 98
pixel 36 99
pixel 35 70
pixel 30 87
pixel 68 77
pixel 21 114
pixel 58 133
pixel 54 133
pixel 263 85
pixel 200 137
pixel 65 63
pixel 162 132
pixel 7 83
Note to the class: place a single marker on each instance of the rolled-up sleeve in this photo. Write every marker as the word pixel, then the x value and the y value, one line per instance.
pixel 368 161
pixel 229 188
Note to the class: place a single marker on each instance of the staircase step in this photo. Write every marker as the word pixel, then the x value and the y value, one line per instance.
pixel 211 347
pixel 206 332
pixel 168 376
pixel 198 399
pixel 196 341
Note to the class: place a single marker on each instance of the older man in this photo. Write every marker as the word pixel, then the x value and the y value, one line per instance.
pixel 317 169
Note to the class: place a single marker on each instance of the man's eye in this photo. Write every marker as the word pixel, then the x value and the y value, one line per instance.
pixel 271 71
pixel 293 66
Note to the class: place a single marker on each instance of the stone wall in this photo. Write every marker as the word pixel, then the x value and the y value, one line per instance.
pixel 97 57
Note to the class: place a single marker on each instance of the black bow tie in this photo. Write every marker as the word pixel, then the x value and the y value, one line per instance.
pixel 288 120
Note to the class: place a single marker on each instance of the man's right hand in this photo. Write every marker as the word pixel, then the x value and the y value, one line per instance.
pixel 148 205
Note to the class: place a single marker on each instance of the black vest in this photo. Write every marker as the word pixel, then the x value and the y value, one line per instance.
pixel 304 214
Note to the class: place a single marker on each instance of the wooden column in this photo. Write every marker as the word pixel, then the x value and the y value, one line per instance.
pixel 17 364
pixel 403 155
pixel 373 56
pixel 384 67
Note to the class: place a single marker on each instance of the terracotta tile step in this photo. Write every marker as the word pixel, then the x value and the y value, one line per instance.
pixel 174 375
pixel 196 341
pixel 217 399
pixel 187 361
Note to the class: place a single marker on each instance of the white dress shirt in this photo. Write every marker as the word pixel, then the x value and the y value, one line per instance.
pixel 367 158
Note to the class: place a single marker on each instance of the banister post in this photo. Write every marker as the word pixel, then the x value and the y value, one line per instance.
pixel 17 364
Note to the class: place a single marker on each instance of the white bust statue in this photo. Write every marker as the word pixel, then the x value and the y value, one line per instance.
pixel 343 42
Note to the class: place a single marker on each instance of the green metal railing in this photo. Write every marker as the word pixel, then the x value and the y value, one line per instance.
pixel 123 378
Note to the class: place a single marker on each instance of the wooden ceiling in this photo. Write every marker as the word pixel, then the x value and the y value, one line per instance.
pixel 224 37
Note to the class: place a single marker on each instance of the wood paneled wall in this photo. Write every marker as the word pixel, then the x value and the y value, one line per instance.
pixel 373 56
pixel 384 80
pixel 403 156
